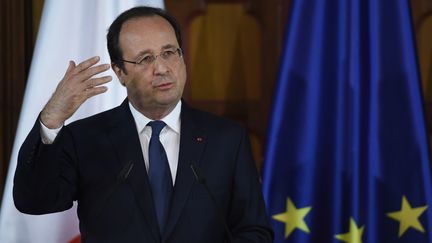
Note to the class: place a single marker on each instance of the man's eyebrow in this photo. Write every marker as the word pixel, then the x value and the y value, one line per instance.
pixel 147 51
pixel 168 46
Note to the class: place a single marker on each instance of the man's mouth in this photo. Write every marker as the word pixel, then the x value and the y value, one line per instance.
pixel 164 86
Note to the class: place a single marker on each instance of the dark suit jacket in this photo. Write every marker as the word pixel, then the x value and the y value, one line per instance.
pixel 86 160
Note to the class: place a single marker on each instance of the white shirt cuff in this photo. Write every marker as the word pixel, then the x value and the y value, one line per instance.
pixel 48 135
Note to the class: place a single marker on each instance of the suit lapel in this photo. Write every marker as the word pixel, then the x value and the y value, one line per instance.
pixel 124 136
pixel 192 143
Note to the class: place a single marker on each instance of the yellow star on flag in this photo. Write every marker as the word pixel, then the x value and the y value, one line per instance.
pixel 408 217
pixel 354 235
pixel 293 218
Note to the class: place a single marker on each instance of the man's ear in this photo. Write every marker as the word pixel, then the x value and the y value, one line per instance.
pixel 119 73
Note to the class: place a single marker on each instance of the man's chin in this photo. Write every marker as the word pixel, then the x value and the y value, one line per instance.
pixel 167 102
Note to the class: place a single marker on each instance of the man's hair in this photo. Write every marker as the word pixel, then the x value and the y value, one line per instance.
pixel 114 49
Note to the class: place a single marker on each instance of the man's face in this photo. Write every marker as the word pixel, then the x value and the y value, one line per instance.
pixel 158 85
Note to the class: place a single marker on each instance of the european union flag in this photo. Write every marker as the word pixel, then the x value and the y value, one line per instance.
pixel 347 153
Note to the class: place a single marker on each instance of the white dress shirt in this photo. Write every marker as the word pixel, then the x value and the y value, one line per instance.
pixel 169 136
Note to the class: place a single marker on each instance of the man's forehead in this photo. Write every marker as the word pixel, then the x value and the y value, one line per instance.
pixel 146 34
pixel 146 22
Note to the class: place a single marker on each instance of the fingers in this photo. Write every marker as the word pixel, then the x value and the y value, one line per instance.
pixel 74 89
pixel 81 76
pixel 86 64
pixel 93 88
pixel 84 71
pixel 71 66
pixel 95 91
pixel 91 83
pixel 90 72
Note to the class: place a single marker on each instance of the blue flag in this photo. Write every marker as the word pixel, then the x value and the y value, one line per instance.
pixel 347 153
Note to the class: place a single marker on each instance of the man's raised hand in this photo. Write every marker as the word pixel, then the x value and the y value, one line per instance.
pixel 77 85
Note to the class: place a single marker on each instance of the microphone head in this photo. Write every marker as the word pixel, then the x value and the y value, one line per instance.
pixel 124 173
pixel 197 174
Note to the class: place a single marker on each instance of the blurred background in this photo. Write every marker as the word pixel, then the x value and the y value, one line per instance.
pixel 235 45
pixel 231 49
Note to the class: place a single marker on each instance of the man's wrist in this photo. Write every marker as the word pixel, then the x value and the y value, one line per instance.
pixel 48 135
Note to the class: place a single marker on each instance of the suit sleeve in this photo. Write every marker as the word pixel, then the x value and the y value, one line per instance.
pixel 45 177
pixel 248 219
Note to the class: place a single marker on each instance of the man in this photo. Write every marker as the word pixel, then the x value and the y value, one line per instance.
pixel 150 170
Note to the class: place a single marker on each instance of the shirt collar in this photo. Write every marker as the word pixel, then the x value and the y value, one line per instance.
pixel 172 119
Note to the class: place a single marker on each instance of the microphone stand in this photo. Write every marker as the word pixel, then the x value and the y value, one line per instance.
pixel 200 178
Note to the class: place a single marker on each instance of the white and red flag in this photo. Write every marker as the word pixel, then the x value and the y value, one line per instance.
pixel 69 30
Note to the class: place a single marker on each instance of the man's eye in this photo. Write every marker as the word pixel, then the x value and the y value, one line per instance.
pixel 147 59
pixel 168 53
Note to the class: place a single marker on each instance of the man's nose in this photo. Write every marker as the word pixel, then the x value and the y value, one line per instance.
pixel 160 66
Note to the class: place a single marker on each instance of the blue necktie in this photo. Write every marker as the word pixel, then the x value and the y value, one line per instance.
pixel 159 175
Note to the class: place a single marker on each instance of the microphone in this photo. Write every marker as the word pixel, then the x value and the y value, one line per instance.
pixel 201 180
pixel 124 173
pixel 121 177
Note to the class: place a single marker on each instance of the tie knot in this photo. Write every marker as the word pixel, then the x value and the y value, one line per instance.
pixel 157 127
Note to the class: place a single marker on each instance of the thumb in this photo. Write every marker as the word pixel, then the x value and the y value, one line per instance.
pixel 71 66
